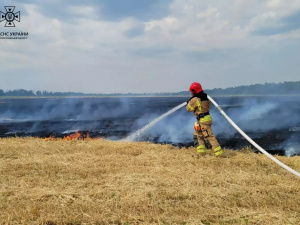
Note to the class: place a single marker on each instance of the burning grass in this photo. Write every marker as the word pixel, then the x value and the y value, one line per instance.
pixel 104 182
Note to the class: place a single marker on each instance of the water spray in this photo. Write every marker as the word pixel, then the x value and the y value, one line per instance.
pixel 136 135
pixel 253 142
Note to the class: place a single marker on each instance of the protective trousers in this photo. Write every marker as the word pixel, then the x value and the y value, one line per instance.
pixel 206 133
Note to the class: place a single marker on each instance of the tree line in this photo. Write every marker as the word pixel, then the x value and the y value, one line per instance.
pixel 284 88
pixel 255 89
pixel 30 93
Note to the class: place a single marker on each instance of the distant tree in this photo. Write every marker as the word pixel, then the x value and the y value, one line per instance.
pixel 38 93
pixel 1 93
pixel 20 92
pixel 46 93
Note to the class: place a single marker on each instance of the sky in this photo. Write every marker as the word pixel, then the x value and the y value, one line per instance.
pixel 143 46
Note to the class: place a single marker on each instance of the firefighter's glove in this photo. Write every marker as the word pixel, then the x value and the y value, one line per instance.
pixel 197 126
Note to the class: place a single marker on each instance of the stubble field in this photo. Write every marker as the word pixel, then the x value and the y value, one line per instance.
pixel 104 182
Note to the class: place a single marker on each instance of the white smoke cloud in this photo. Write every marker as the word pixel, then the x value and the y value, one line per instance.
pixel 117 117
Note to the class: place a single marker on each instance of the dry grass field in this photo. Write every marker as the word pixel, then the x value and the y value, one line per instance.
pixel 105 182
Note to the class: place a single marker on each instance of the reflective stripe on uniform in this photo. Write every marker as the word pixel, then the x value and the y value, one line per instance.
pixel 206 119
pixel 198 104
pixel 191 108
pixel 218 151
pixel 201 148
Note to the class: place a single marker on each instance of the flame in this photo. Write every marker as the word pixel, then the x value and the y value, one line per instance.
pixel 74 136
pixel 49 138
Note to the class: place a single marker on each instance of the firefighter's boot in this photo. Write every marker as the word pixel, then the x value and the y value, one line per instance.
pixel 201 147
pixel 199 142
pixel 218 151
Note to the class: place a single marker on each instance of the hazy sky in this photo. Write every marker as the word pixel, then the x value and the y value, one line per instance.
pixel 108 46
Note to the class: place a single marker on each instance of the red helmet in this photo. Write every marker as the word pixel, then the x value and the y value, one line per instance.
pixel 195 88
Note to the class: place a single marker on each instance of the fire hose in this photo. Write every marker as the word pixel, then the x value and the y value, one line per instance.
pixel 253 142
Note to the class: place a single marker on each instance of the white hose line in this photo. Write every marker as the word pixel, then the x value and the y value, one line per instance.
pixel 253 142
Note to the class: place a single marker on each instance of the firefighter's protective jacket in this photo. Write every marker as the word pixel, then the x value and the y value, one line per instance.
pixel 200 105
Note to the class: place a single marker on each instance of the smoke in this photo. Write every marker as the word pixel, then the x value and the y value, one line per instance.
pixel 292 144
pixel 62 114
pixel 177 128
pixel 250 115
pixel 117 118
pixel 267 120
pixel 62 109
pixel 112 117
pixel 258 115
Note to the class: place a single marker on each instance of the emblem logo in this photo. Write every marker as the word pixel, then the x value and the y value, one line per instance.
pixel 10 16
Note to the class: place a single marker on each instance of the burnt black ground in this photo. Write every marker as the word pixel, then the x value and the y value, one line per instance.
pixel 273 122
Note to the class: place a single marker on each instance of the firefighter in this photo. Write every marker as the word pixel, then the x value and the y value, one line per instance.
pixel 199 105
